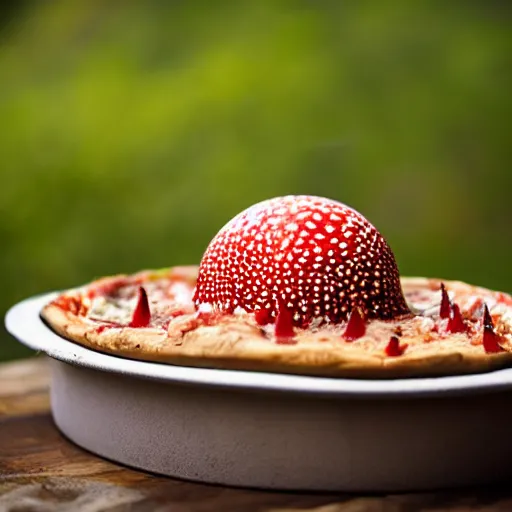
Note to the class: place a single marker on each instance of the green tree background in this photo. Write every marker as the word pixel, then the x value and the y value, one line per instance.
pixel 132 131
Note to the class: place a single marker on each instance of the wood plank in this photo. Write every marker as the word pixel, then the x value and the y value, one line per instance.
pixel 23 377
pixel 24 387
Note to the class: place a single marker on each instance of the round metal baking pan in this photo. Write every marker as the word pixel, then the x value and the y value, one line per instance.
pixel 264 430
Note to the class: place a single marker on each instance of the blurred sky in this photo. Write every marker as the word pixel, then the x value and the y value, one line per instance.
pixel 132 131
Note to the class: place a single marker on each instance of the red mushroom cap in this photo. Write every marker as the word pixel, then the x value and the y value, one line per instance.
pixel 319 257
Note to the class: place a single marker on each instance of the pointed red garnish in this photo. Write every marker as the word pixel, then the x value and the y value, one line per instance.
pixel 284 323
pixel 475 308
pixel 393 348
pixel 490 338
pixel 142 314
pixel 445 303
pixel 456 322
pixel 356 326
pixel 263 316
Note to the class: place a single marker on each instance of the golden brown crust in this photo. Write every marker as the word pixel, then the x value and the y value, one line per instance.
pixel 236 342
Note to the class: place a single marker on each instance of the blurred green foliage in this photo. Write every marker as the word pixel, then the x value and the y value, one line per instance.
pixel 132 131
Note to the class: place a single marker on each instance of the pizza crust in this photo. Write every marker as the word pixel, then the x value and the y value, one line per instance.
pixel 237 343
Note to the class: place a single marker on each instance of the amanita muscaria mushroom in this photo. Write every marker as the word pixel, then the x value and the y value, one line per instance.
pixel 317 258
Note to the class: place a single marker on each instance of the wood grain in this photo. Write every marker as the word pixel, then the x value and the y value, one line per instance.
pixel 40 470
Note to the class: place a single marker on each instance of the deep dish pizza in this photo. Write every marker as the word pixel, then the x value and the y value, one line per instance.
pixel 296 284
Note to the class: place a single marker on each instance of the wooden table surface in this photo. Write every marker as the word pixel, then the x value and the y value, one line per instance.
pixel 40 470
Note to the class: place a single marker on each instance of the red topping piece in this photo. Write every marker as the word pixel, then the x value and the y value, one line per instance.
pixel 72 304
pixel 456 322
pixel 504 298
pixel 183 325
pixel 142 314
pixel 179 312
pixel 490 338
pixel 284 323
pixel 393 348
pixel 445 303
pixel 263 316
pixel 356 326
pixel 318 256
pixel 208 317
pixel 108 325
